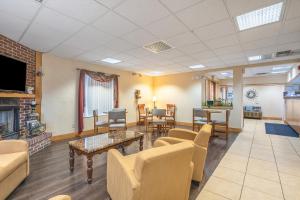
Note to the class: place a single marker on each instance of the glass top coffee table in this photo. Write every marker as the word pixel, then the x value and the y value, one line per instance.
pixel 98 144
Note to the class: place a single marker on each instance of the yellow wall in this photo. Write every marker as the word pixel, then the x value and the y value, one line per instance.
pixel 183 90
pixel 60 91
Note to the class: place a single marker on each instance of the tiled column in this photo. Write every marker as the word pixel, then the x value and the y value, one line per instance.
pixel 236 119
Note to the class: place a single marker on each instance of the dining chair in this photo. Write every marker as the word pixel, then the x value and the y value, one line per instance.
pixel 98 123
pixel 223 124
pixel 142 113
pixel 117 119
pixel 200 117
pixel 171 116
pixel 158 120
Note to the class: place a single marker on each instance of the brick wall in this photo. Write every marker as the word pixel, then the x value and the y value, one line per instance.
pixel 17 51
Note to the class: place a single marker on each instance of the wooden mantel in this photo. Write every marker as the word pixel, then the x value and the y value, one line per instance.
pixel 16 95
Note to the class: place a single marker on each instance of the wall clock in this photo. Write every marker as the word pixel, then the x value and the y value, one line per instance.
pixel 251 94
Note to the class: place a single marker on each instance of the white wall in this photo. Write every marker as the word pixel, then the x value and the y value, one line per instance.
pixel 270 98
pixel 60 91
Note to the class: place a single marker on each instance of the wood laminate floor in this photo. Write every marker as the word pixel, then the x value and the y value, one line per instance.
pixel 50 175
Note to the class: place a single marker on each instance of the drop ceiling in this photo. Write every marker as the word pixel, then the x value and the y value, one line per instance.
pixel 201 31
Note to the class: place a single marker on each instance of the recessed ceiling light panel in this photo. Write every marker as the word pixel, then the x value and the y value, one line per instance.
pixel 158 47
pixel 196 66
pixel 254 58
pixel 111 60
pixel 260 17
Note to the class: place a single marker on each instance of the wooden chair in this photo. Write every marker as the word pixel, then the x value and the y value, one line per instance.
pixel 171 116
pixel 224 124
pixel 98 123
pixel 158 120
pixel 117 119
pixel 200 118
pixel 142 113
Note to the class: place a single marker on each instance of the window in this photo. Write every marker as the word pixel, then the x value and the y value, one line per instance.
pixel 98 96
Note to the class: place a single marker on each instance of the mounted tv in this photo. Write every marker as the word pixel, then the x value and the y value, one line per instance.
pixel 12 74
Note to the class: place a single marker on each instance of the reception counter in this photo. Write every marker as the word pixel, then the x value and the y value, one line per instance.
pixel 292 112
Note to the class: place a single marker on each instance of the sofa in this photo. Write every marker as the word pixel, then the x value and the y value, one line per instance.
pixel 198 139
pixel 253 112
pixel 14 165
pixel 159 173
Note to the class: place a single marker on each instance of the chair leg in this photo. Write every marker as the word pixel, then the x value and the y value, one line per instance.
pixel 226 132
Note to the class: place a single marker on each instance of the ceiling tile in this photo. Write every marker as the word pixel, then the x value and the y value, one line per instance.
pixel 12 27
pixel 260 32
pixel 216 43
pixel 176 5
pixel 228 50
pixel 142 12
pixel 170 54
pixel 238 7
pixel 218 29
pixel 87 39
pixel 110 3
pixel 139 52
pixel 293 9
pixel 119 45
pixel 67 51
pixel 182 59
pixel 183 40
pixel 114 24
pixel 97 54
pixel 49 29
pixel 85 11
pixel 233 58
pixel 292 25
pixel 259 43
pixel 140 37
pixel 193 48
pixel 166 27
pixel 289 46
pixel 214 62
pixel 20 8
pixel 204 55
pixel 288 38
pixel 204 13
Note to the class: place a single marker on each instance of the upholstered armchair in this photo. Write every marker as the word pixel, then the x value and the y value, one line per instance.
pixel 14 165
pixel 158 173
pixel 61 197
pixel 198 139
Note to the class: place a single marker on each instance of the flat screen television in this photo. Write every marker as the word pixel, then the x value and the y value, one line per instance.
pixel 12 74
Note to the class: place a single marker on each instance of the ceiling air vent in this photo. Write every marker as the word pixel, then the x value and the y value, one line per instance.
pixel 283 53
pixel 158 47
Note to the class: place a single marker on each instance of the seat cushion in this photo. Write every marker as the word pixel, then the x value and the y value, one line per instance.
pixel 120 125
pixel 101 123
pixel 10 162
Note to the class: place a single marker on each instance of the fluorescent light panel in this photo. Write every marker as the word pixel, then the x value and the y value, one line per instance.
pixel 196 66
pixel 254 58
pixel 111 60
pixel 279 72
pixel 260 17
pixel 282 68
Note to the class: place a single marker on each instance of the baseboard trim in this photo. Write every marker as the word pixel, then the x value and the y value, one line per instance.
pixel 272 118
pixel 68 136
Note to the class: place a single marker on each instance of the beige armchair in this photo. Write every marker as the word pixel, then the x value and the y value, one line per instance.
pixel 198 139
pixel 158 173
pixel 14 165
pixel 61 197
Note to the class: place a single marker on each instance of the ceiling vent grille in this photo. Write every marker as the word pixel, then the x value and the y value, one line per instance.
pixel 283 53
pixel 261 73
pixel 158 47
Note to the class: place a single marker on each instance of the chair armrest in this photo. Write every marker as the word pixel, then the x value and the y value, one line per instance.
pixel 13 146
pixel 182 134
pixel 121 181
pixel 159 143
pixel 61 197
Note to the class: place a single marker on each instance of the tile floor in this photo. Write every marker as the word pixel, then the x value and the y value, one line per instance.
pixel 257 167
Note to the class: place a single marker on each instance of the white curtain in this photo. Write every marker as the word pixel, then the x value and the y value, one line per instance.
pixel 98 96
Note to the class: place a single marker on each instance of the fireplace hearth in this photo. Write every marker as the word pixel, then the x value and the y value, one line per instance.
pixel 9 119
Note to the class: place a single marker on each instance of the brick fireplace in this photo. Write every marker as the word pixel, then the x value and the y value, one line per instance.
pixel 17 51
